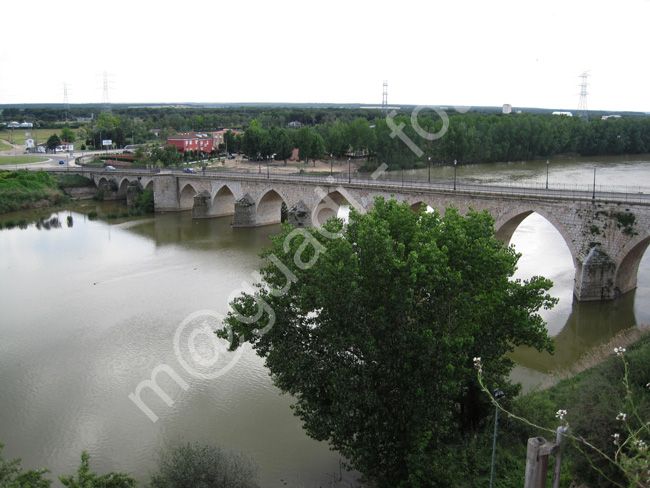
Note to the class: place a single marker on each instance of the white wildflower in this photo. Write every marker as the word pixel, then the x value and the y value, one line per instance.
pixel 621 416
pixel 561 414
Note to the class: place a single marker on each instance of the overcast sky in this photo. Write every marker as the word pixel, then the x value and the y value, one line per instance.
pixel 457 52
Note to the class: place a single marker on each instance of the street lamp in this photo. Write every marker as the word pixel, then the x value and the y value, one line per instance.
pixel 498 395
pixel 593 194
pixel 455 166
pixel 429 180
pixel 349 172
pixel 547 163
pixel 331 160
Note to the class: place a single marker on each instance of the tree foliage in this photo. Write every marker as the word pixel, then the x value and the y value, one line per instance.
pixel 88 479
pixel 52 142
pixel 12 475
pixel 373 328
pixel 203 466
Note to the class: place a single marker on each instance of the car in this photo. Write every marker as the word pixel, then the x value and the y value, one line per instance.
pixel 189 170
pixel 61 161
pixel 109 168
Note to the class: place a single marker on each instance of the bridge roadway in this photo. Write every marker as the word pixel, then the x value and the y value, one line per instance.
pixel 606 229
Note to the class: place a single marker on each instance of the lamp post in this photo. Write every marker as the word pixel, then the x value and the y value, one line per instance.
pixel 429 180
pixel 349 172
pixel 498 395
pixel 331 162
pixel 547 163
pixel 593 193
pixel 455 166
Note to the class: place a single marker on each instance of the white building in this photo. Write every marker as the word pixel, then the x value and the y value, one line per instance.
pixel 507 108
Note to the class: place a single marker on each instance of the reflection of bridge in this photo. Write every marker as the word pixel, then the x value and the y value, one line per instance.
pixel 606 233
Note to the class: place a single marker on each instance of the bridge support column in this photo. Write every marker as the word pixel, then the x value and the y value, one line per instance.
pixel 299 215
pixel 202 208
pixel 165 190
pixel 595 277
pixel 245 212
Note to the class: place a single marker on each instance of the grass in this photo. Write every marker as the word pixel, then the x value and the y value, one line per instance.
pixel 72 181
pixel 18 136
pixel 11 160
pixel 19 190
pixel 4 146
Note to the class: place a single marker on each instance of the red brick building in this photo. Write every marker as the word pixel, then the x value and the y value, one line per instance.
pixel 191 141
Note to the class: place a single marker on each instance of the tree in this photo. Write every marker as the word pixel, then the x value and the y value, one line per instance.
pixel 53 142
pixel 67 134
pixel 88 479
pixel 205 466
pixel 373 328
pixel 11 475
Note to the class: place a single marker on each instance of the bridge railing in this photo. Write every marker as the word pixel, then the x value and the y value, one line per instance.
pixel 635 194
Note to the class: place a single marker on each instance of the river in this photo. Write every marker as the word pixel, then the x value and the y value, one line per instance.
pixel 89 311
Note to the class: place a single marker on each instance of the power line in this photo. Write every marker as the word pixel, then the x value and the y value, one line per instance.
pixel 582 103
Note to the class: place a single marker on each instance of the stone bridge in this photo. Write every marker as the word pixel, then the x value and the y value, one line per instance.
pixel 607 234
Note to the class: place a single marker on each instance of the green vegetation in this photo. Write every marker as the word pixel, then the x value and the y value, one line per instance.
pixel 205 466
pixel 12 475
pixel 72 181
pixel 179 466
pixel 19 189
pixel 372 327
pixel 92 214
pixel 88 479
pixel 7 160
pixel 145 202
pixel 4 146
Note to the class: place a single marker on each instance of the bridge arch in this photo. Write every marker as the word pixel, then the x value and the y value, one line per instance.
pixel 628 267
pixel 327 208
pixel 269 208
pixel 186 197
pixel 417 205
pixel 223 202
pixel 507 224
pixel 148 186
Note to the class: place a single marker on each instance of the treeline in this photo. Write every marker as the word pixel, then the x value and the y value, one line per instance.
pixel 473 138
pixel 467 138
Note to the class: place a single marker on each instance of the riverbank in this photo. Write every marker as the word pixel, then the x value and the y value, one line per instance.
pixel 20 190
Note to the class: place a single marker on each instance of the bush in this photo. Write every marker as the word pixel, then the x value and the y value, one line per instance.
pixel 145 202
pixel 92 214
pixel 206 466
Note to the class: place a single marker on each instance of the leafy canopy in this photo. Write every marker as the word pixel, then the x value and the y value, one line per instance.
pixel 373 326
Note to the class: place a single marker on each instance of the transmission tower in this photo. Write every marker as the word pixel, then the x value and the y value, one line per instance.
pixel 582 104
pixel 384 98
pixel 66 103
pixel 106 101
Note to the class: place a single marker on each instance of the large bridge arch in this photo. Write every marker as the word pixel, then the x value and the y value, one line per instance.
pixel 506 225
pixel 223 202
pixel 186 197
pixel 327 207
pixel 269 208
pixel 628 265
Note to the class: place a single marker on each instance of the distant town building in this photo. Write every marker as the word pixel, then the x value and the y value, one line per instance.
pixel 218 137
pixel 191 141
pixel 65 147
pixel 605 117
pixel 21 125
pixel 294 124
pixel 85 119
pixel 568 114
pixel 507 108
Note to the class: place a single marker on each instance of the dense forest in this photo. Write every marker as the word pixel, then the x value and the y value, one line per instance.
pixel 399 139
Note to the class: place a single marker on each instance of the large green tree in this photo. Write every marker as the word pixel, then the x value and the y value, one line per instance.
pixel 373 326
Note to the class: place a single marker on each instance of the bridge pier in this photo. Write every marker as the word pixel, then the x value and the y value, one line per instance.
pixel 299 215
pixel 245 212
pixel 595 277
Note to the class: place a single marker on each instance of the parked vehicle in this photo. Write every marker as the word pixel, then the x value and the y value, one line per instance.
pixel 109 168
pixel 61 161
pixel 189 170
